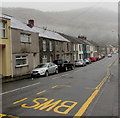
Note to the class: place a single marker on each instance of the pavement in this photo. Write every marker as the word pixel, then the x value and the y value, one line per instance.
pixel 68 94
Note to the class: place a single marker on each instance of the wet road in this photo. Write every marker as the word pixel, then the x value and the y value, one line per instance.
pixel 65 94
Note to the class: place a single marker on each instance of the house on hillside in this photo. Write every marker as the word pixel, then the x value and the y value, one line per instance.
pixel 76 47
pixel 24 48
pixel 5 47
pixel 51 44
pixel 73 46
pixel 85 46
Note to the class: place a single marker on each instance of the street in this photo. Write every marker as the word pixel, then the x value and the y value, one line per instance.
pixel 72 93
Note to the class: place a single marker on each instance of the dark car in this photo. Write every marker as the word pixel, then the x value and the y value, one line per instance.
pixel 64 65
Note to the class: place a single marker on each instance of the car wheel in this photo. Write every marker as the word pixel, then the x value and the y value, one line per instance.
pixel 56 71
pixel 66 68
pixel 46 73
pixel 72 68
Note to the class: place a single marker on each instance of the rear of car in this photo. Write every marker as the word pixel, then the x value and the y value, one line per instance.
pixel 88 61
pixel 63 65
pixel 109 55
pixel 80 63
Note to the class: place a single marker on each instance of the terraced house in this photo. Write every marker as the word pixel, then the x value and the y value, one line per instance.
pixel 73 46
pixel 24 48
pixel 76 47
pixel 51 45
pixel 5 47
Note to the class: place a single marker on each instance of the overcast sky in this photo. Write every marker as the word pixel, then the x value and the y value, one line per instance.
pixel 60 6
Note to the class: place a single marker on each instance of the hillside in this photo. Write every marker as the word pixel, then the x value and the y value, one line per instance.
pixel 97 24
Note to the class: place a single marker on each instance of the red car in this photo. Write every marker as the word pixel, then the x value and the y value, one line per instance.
pixel 93 59
pixel 103 56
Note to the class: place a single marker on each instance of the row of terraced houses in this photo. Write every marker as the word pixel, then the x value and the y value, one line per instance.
pixel 24 46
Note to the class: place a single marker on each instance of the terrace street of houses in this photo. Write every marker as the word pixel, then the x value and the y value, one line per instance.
pixel 24 46
pixel 91 90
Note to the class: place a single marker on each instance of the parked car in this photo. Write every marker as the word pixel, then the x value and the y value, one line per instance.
pixel 93 59
pixel 45 69
pixel 64 65
pixel 100 57
pixel 103 56
pixel 80 62
pixel 88 61
pixel 109 55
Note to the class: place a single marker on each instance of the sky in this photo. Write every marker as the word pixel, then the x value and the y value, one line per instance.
pixel 60 5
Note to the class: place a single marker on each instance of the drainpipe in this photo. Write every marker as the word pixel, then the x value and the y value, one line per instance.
pixel 11 53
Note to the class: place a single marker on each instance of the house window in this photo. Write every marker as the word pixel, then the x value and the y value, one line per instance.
pixel 79 47
pixel 67 47
pixel 21 60
pixel 44 59
pixel 75 57
pixel 50 44
pixel 44 45
pixel 25 38
pixel 3 25
pixel 74 47
pixel 51 58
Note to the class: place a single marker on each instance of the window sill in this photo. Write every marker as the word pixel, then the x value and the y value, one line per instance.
pixel 4 38
pixel 26 42
pixel 19 66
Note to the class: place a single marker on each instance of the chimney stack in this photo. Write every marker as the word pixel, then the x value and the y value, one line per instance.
pixel 82 37
pixel 30 23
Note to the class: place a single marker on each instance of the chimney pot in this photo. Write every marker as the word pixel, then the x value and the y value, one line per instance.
pixel 31 23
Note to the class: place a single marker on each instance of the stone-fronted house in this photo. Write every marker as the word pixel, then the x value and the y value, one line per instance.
pixel 94 49
pixel 51 45
pixel 73 46
pixel 85 47
pixel 24 48
pixel 102 49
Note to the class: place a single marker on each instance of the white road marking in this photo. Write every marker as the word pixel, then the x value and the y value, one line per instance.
pixel 63 75
pixel 60 76
pixel 19 88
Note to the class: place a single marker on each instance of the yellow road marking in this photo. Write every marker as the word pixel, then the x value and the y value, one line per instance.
pixel 91 88
pixel 1 115
pixel 65 85
pixel 90 99
pixel 20 100
pixel 11 116
pixel 55 86
pixel 86 104
pixel 41 92
pixel 61 85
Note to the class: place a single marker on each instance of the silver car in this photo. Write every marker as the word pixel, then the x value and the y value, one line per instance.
pixel 45 69
pixel 80 62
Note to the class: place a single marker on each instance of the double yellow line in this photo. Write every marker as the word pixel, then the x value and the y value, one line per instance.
pixel 94 94
pixel 8 116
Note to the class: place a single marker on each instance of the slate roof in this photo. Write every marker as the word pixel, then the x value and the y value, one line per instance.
pixel 42 33
pixel 72 39
pixel 49 34
pixel 18 24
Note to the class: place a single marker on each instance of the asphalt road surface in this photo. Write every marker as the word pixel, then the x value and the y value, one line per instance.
pixel 84 91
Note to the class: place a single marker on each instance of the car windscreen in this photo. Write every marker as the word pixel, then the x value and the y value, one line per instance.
pixel 58 61
pixel 41 65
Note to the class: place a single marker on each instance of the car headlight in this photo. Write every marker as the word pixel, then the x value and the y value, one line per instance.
pixel 42 71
